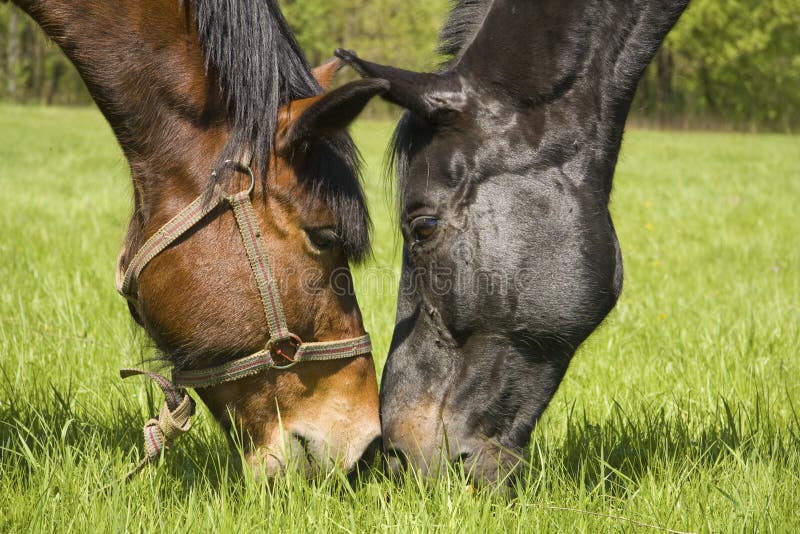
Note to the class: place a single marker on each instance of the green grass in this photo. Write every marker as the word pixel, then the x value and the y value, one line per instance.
pixel 681 411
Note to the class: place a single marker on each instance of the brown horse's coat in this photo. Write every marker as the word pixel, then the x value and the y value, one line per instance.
pixel 144 66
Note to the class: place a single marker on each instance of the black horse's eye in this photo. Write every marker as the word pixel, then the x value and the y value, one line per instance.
pixel 423 227
pixel 323 238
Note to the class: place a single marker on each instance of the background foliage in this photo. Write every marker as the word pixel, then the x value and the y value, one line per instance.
pixel 728 63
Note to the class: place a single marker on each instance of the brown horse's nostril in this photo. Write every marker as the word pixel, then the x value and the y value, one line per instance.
pixel 304 449
pixel 370 454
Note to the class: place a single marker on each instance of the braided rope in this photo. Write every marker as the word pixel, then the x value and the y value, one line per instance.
pixel 173 420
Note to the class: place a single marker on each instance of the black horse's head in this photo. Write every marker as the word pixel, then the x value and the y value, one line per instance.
pixel 505 160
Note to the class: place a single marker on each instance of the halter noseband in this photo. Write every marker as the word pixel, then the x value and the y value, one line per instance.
pixel 283 350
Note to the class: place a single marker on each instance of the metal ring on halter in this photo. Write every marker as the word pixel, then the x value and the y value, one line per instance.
pixel 275 350
pixel 239 166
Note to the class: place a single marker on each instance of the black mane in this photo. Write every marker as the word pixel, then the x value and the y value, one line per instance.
pixel 249 47
pixel 465 19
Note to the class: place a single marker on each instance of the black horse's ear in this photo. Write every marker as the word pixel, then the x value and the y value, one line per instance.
pixel 310 118
pixel 433 97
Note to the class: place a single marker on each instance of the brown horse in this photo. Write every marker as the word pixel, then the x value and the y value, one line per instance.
pixel 185 87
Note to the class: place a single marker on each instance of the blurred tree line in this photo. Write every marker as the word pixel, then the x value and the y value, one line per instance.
pixel 32 69
pixel 728 63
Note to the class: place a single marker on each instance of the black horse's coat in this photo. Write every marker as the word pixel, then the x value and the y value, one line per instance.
pixel 505 163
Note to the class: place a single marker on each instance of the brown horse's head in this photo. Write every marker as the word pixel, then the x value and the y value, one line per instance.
pixel 199 299
pixel 186 85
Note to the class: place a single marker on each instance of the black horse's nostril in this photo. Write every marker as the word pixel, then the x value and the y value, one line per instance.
pixel 462 458
pixel 395 461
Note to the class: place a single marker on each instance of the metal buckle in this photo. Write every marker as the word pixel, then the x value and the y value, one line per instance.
pixel 238 166
pixel 275 349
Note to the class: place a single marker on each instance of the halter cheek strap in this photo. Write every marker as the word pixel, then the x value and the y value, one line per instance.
pixel 283 350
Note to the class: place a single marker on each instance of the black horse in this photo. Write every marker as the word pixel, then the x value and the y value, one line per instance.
pixel 504 161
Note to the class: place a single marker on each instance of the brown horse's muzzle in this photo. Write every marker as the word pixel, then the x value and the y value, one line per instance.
pixel 311 417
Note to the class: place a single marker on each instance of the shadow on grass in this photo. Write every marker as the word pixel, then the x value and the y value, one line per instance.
pixel 618 451
pixel 613 454
pixel 38 425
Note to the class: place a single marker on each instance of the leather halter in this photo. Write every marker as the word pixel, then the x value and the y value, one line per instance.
pixel 283 350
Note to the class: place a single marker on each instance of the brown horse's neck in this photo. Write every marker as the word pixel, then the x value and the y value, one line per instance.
pixel 143 65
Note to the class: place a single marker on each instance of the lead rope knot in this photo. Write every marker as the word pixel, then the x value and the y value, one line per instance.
pixel 173 420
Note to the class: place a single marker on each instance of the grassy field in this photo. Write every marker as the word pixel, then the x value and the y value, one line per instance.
pixel 681 412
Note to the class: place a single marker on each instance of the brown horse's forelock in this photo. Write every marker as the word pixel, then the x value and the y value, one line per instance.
pixel 328 168
pixel 249 47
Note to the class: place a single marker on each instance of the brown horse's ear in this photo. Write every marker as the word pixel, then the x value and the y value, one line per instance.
pixel 433 97
pixel 324 73
pixel 313 117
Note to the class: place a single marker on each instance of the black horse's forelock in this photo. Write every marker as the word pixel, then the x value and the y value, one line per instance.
pixel 464 21
pixel 249 47
pixel 398 153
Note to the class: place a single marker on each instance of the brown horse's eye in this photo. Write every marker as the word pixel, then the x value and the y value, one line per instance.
pixel 423 227
pixel 323 238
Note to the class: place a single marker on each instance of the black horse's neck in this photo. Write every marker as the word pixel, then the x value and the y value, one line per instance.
pixel 533 51
pixel 536 48
pixel 577 57
pixel 565 67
